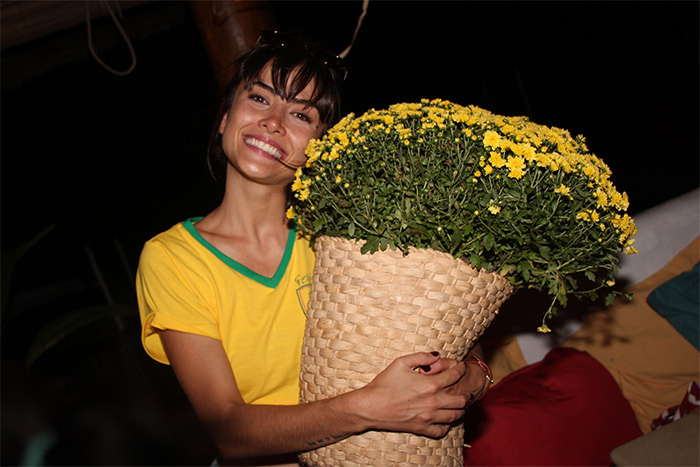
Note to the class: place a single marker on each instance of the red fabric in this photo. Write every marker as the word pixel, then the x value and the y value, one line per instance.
pixel 689 404
pixel 564 410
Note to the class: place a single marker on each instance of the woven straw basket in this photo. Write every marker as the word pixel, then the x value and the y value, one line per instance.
pixel 368 309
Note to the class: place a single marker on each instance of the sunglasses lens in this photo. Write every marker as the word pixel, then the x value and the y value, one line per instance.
pixel 285 40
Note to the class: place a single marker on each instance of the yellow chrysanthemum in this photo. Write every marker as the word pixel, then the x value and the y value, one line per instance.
pixel 343 139
pixel 516 166
pixel 496 160
pixel 590 171
pixel 616 199
pixel 630 250
pixel 601 198
pixel 333 154
pixel 564 190
pixel 491 139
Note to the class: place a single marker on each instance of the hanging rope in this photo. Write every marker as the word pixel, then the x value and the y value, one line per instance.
pixel 365 4
pixel 121 32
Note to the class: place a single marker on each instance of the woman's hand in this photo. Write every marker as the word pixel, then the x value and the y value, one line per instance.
pixel 473 384
pixel 404 398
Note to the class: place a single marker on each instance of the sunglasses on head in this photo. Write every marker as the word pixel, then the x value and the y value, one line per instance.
pixel 335 62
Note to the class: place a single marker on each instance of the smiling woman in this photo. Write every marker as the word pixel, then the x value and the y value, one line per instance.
pixel 223 297
pixel 269 125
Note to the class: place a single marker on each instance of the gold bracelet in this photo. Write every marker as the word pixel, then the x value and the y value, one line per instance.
pixel 489 376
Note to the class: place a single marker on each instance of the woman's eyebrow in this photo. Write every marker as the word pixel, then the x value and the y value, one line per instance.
pixel 294 100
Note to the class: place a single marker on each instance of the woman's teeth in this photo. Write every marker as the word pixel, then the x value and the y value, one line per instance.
pixel 268 148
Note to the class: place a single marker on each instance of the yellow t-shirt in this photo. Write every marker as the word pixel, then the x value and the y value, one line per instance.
pixel 185 284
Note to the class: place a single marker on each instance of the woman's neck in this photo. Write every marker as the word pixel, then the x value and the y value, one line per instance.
pixel 250 210
pixel 250 227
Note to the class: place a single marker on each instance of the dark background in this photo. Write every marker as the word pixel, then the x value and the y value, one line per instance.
pixel 110 161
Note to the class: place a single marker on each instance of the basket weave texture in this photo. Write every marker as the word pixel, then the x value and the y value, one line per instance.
pixel 368 309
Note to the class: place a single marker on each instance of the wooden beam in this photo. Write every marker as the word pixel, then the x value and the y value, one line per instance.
pixel 23 21
pixel 228 28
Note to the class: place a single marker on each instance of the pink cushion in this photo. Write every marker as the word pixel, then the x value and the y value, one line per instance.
pixel 564 410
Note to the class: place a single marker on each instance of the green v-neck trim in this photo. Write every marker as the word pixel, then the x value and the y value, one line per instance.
pixel 271 282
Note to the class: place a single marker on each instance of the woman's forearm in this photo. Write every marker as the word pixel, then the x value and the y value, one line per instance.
pixel 245 430
pixel 398 399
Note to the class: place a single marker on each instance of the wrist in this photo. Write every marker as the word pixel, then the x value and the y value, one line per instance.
pixel 355 410
pixel 476 363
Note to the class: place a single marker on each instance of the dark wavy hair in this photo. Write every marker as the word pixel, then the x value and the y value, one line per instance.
pixel 295 63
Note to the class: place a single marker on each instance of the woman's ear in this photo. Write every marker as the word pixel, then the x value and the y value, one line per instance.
pixel 223 123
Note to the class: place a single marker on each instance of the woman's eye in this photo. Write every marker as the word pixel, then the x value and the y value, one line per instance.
pixel 302 116
pixel 258 98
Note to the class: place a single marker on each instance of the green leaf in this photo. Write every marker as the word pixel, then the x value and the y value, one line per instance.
pixel 489 240
pixel 351 230
pixel 610 299
pixel 10 260
pixel 466 230
pixel 371 245
pixel 383 243
pixel 70 323
pixel 563 298
pixel 475 261
pixel 456 239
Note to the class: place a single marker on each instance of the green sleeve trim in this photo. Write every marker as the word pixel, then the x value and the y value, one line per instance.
pixel 271 282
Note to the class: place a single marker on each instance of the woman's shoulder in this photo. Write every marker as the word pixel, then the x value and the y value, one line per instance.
pixel 178 239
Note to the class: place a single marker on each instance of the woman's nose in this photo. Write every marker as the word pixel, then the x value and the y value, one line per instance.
pixel 273 121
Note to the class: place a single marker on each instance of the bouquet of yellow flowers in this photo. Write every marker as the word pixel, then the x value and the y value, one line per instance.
pixel 526 201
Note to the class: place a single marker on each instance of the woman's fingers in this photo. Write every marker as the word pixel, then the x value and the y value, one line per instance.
pixel 449 376
pixel 418 360
pixel 402 399
pixel 439 366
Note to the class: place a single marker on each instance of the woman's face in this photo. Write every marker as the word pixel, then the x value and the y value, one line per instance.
pixel 261 128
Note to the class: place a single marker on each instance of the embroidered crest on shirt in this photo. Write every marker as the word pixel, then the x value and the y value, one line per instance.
pixel 303 282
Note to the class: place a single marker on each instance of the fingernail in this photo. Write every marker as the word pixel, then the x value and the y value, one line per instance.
pixel 425 368
pixel 435 353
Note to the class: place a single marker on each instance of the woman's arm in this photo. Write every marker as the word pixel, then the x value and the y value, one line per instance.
pixel 398 399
